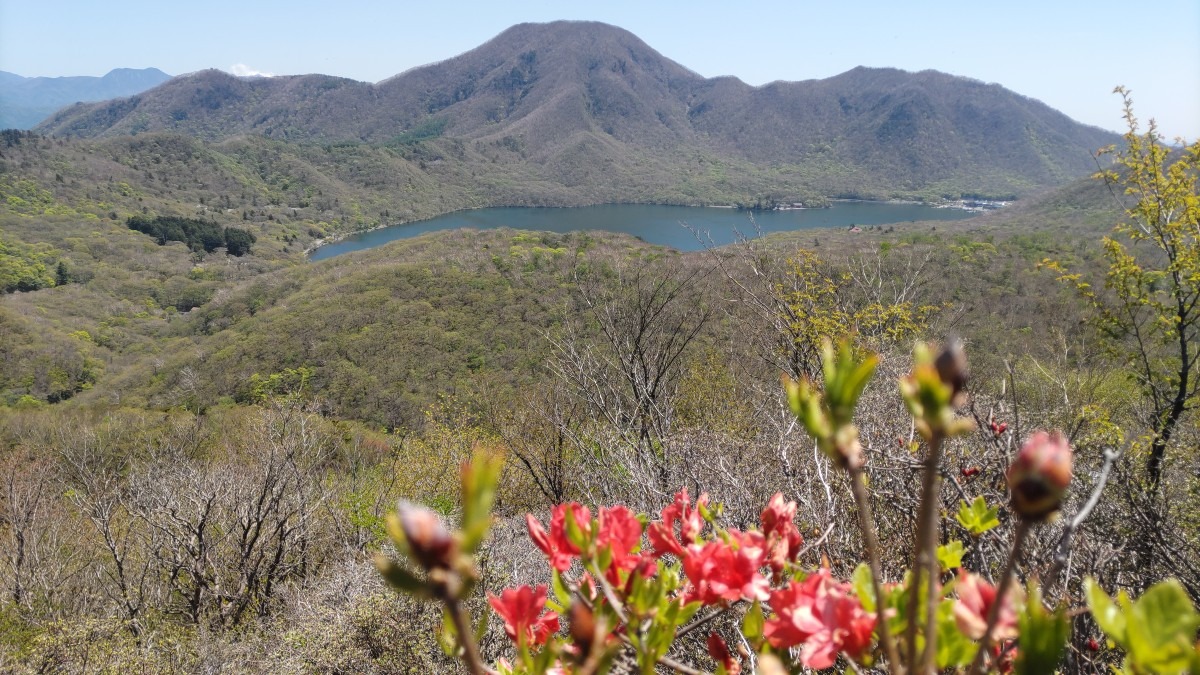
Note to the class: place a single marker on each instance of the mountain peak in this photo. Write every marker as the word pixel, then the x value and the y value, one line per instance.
pixel 154 73
pixel 567 92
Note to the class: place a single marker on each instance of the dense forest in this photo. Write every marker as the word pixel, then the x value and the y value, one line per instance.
pixel 199 235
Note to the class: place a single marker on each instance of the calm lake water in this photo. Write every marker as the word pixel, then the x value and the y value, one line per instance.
pixel 663 225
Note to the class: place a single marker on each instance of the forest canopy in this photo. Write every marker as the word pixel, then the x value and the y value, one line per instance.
pixel 197 234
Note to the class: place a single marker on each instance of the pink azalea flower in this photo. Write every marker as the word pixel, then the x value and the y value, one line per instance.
pixel 621 532
pixel 521 609
pixel 662 533
pixel 822 615
pixel 555 544
pixel 783 538
pixel 720 570
pixel 975 600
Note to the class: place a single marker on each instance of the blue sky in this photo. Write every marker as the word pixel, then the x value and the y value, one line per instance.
pixel 1069 54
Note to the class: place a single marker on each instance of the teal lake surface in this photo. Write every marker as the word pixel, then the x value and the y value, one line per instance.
pixel 673 226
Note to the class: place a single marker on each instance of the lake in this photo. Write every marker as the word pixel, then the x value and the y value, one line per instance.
pixel 663 225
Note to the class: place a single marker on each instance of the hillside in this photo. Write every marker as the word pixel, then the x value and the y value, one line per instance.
pixel 162 327
pixel 151 385
pixel 561 97
pixel 26 101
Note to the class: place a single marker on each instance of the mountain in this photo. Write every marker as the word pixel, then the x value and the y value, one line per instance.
pixel 568 96
pixel 25 101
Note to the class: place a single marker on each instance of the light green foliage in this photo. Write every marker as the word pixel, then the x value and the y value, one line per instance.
pixel 26 267
pixel 480 479
pixel 932 391
pixel 953 648
pixel 1157 631
pixel 290 384
pixel 1043 635
pixel 359 509
pixel 861 580
pixel 977 517
pixel 816 306
pixel 827 414
pixel 1148 310
pixel 950 555
pixel 27 198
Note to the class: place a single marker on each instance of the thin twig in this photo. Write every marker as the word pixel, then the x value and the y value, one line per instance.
pixel 1016 408
pixel 466 638
pixel 1064 542
pixel 866 522
pixel 817 542
pixel 925 561
pixel 703 620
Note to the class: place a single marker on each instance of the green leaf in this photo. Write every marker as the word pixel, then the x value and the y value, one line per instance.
pixel 977 518
pixel 1161 629
pixel 1157 631
pixel 1107 614
pixel 688 611
pixel 398 577
pixel 560 589
pixel 950 555
pixel 575 531
pixel 544 660
pixel 861 580
pixel 448 636
pixel 605 558
pixel 752 625
pixel 953 648
pixel 479 479
pixel 481 629
pixel 1043 635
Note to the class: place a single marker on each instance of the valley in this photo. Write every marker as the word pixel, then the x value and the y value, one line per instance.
pixel 244 317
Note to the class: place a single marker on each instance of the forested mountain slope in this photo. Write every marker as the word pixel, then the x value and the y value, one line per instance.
pixel 569 95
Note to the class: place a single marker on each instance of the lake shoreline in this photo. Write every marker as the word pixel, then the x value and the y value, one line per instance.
pixel 323 243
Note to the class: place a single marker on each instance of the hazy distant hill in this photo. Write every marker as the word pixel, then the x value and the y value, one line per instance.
pixel 567 95
pixel 25 101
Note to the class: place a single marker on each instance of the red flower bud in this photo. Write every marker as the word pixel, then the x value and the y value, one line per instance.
pixel 719 651
pixel 427 538
pixel 583 629
pixel 1039 475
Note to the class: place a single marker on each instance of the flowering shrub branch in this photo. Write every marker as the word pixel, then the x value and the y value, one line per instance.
pixel 631 586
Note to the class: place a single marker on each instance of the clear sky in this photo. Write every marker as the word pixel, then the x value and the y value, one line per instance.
pixel 1067 53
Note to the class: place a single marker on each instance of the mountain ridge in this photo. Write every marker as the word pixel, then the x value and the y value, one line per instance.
pixel 26 101
pixel 569 93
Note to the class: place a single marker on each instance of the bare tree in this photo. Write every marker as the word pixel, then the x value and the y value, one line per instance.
pixel 543 431
pixel 25 491
pixel 647 315
pixel 225 533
